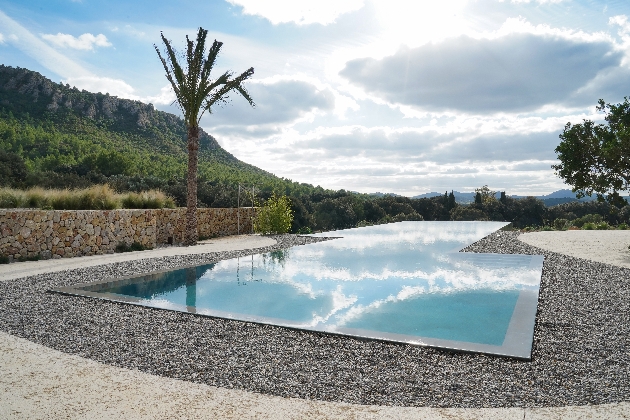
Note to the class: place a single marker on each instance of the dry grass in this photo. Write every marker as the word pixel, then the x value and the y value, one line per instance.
pixel 98 197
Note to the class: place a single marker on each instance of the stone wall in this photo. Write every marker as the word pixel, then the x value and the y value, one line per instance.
pixel 71 233
pixel 211 222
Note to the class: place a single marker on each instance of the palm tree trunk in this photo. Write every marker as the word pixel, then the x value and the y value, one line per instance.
pixel 191 235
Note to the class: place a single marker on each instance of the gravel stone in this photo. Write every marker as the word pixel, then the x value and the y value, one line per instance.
pixel 581 349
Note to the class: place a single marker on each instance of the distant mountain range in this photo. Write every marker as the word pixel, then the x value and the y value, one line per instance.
pixel 552 199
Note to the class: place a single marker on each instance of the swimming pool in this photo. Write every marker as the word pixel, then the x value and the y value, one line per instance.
pixel 402 282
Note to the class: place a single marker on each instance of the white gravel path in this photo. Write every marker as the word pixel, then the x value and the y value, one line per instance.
pixel 39 382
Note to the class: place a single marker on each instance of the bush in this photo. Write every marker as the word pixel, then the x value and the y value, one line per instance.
pixel 589 226
pixel 275 216
pixel 589 218
pixel 153 199
pixel 602 226
pixel 4 259
pixel 10 199
pixel 467 213
pixel 31 258
pixel 622 226
pixel 413 216
pixel 97 197
pixel 561 224
pixel 135 246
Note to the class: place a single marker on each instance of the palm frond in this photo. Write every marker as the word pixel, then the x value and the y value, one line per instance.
pixel 196 93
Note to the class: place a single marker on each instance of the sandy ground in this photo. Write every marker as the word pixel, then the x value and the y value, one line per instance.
pixel 607 246
pixel 40 383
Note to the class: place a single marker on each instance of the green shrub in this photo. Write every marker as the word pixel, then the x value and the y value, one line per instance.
pixel 305 230
pixel 622 226
pixel 97 197
pixel 547 228
pixel 152 199
pixel 31 258
pixel 589 226
pixel 467 213
pixel 602 226
pixel 10 198
pixel 561 224
pixel 275 216
pixel 589 218
pixel 36 198
pixel 413 216
pixel 135 246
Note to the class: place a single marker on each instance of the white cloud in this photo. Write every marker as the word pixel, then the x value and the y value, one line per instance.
pixel 414 23
pixel 1 38
pixel 114 87
pixel 515 72
pixel 302 12
pixel 521 25
pixel 71 72
pixel 133 31
pixel 278 101
pixel 624 32
pixel 35 48
pixel 165 97
pixel 622 22
pixel 86 41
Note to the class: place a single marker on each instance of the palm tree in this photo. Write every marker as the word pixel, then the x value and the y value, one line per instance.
pixel 196 93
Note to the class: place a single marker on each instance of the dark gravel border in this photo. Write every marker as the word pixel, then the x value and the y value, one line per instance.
pixel 580 356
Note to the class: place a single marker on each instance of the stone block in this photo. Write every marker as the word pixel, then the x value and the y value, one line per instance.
pixel 25 232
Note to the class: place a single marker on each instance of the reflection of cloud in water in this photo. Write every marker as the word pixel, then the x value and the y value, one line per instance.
pixel 160 303
pixel 478 316
pixel 467 275
pixel 408 233
pixel 340 302
pixel 368 277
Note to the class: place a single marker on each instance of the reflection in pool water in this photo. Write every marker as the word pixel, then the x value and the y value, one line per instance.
pixel 401 281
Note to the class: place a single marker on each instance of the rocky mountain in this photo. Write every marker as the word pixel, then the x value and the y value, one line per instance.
pixel 28 94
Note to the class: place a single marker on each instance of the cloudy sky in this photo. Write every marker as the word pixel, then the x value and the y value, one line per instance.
pixel 367 95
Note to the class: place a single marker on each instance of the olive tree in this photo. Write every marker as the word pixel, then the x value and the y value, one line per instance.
pixel 595 158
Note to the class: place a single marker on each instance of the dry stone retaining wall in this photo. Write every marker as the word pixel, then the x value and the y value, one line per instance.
pixel 72 233
pixel 211 222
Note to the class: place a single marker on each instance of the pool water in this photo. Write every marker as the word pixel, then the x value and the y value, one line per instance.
pixel 401 282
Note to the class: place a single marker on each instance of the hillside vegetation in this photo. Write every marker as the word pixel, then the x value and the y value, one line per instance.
pixel 59 129
pixel 55 136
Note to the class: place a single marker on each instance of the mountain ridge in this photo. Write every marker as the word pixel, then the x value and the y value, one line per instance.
pixel 94 122
pixel 120 113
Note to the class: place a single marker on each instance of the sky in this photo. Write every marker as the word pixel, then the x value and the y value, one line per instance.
pixel 393 96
